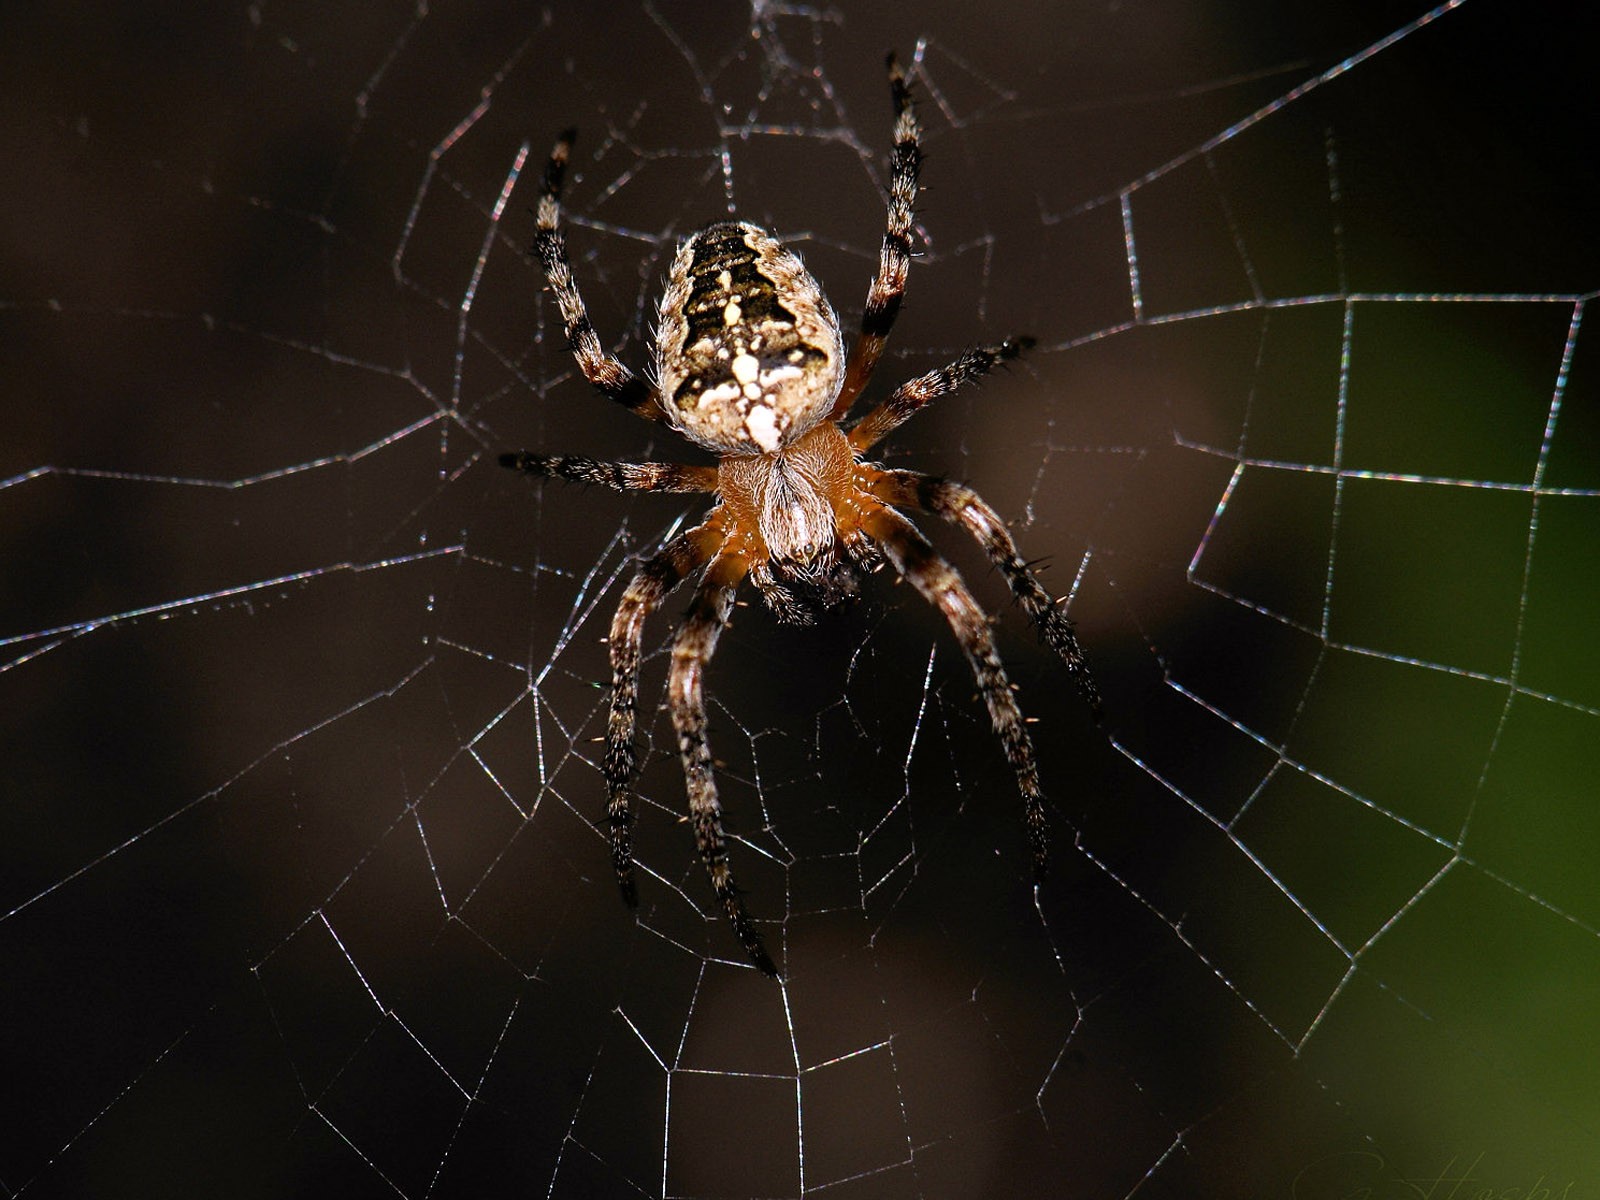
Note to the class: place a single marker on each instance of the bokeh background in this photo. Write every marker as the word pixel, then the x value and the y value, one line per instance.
pixel 301 892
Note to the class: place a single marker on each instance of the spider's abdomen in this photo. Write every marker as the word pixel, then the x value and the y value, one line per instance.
pixel 748 351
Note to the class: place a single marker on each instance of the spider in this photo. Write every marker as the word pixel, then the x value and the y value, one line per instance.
pixel 749 363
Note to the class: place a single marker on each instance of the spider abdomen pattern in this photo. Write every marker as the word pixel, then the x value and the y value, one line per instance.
pixel 748 354
pixel 750 364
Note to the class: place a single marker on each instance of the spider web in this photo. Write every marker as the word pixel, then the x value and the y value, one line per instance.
pixel 303 893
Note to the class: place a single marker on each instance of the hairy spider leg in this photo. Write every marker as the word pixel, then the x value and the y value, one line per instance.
pixel 691 651
pixel 623 476
pixel 942 586
pixel 603 370
pixel 894 260
pixel 656 578
pixel 962 506
pixel 912 395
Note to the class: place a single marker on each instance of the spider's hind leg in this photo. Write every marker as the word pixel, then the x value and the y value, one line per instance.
pixel 691 651
pixel 656 577
pixel 942 587
pixel 962 506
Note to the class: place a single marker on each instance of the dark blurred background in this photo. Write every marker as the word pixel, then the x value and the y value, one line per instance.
pixel 299 889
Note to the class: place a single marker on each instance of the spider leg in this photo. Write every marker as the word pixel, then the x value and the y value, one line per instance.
pixel 624 477
pixel 909 398
pixel 603 370
pixel 941 586
pixel 656 577
pixel 962 506
pixel 894 260
pixel 691 651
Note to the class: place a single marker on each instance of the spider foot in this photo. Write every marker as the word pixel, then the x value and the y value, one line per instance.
pixel 1013 347
pixel 980 360
pixel 1091 696
pixel 621 834
pixel 1039 843
pixel 758 952
pixel 743 927
pixel 625 884
pixel 1057 631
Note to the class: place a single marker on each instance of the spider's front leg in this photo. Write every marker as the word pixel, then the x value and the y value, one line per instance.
pixel 656 577
pixel 613 380
pixel 894 259
pixel 691 651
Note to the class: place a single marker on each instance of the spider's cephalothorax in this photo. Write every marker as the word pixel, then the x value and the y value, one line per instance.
pixel 803 558
pixel 749 363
